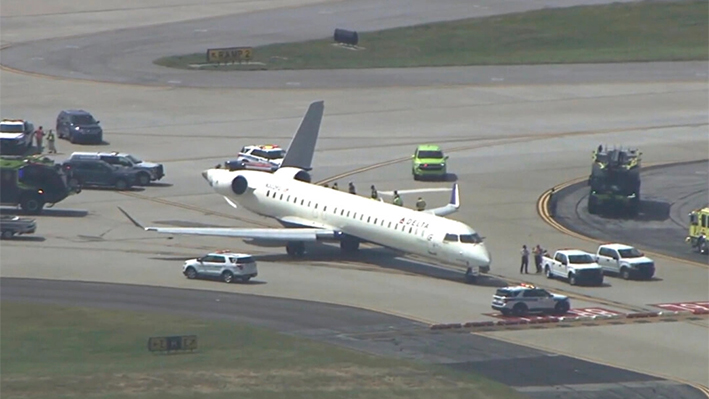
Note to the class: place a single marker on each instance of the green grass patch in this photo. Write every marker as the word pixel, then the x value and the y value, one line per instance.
pixel 69 352
pixel 646 31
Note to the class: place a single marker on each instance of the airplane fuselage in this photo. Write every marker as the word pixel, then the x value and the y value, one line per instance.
pixel 296 203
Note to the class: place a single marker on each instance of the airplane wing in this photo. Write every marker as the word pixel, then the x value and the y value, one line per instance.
pixel 261 234
pixel 449 208
pixel 302 148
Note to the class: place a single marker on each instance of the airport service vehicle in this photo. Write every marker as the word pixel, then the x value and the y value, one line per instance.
pixel 242 164
pixel 312 213
pixel 624 260
pixel 578 267
pixel 428 161
pixel 523 299
pixel 147 171
pixel 698 230
pixel 79 126
pixel 15 225
pixel 269 153
pixel 615 181
pixel 226 265
pixel 97 173
pixel 32 182
pixel 16 136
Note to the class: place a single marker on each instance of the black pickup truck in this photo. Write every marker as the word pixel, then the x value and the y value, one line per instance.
pixel 15 225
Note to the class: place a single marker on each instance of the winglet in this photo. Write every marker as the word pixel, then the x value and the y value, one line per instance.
pixel 302 148
pixel 135 222
pixel 455 197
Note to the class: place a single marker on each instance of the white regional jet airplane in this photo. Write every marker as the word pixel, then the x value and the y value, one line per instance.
pixel 312 213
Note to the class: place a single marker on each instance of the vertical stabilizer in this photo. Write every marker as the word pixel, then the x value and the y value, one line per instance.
pixel 302 148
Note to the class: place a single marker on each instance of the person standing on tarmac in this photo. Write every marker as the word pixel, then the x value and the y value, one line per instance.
pixel 525 260
pixel 334 186
pixel 374 195
pixel 397 199
pixel 420 204
pixel 351 189
pixel 39 135
pixel 538 258
pixel 50 142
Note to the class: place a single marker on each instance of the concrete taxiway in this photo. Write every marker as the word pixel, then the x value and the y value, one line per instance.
pixel 508 144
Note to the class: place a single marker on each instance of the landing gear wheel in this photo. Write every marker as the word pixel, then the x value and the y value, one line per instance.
pixel 519 309
pixel 349 244
pixel 227 277
pixel 295 248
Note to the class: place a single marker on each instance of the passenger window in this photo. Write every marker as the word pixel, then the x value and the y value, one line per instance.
pixel 342 212
pixel 389 225
pixel 354 215
pixel 219 259
pixel 268 193
pixel 361 217
pixel 451 237
pixel 281 196
pixel 410 229
pixel 324 208
pixel 295 200
pixel 348 213
pixel 369 218
pixel 316 206
pixel 288 199
pixel 375 220
pixel 302 202
pixel 309 202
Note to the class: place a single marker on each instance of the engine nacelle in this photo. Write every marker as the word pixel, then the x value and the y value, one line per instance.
pixel 294 173
pixel 239 185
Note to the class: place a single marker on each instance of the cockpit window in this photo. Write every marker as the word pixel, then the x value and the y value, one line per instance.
pixel 471 238
pixel 451 237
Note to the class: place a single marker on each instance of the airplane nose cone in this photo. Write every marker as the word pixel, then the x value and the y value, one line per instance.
pixel 481 256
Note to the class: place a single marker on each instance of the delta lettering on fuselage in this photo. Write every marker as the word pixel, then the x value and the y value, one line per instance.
pixel 275 187
pixel 413 223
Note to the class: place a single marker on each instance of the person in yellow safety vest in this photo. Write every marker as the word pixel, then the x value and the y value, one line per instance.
pixel 375 195
pixel 50 142
pixel 351 189
pixel 397 199
pixel 420 204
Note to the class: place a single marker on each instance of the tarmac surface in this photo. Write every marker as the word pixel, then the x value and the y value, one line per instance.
pixel 668 194
pixel 508 144
pixel 367 331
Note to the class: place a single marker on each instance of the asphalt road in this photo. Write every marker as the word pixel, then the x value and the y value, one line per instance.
pixel 668 194
pixel 537 374
pixel 126 55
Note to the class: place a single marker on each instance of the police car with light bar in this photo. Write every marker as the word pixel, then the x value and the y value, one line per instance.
pixel 525 298
pixel 16 136
pixel 263 153
pixel 225 265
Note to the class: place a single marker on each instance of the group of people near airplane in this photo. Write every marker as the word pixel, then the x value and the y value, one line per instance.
pixel 420 203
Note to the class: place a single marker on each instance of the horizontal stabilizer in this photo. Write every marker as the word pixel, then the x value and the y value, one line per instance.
pixel 302 148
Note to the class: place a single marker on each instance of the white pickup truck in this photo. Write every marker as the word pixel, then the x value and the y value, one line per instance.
pixel 577 266
pixel 624 260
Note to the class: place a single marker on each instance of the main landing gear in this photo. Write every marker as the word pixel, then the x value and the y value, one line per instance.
pixel 295 248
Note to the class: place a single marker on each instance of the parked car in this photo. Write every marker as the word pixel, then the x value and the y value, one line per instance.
pixel 225 265
pixel 576 266
pixel 625 261
pixel 79 126
pixel 15 225
pixel 524 298
pixel 429 161
pixel 97 173
pixel 147 171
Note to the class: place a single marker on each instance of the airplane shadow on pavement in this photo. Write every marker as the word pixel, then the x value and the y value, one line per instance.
pixel 382 258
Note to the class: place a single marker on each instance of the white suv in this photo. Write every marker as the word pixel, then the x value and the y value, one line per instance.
pixel 225 265
pixel 525 298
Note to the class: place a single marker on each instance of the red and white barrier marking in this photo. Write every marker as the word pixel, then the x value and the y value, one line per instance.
pixel 570 315
pixel 698 307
